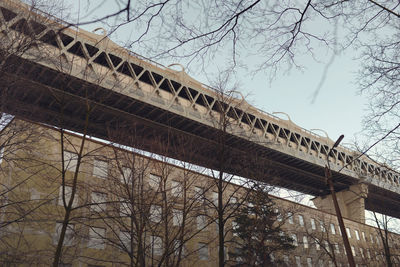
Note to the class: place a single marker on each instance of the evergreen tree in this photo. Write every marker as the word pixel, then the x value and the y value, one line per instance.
pixel 259 232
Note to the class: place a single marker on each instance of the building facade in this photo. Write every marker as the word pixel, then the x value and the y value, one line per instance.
pixel 131 208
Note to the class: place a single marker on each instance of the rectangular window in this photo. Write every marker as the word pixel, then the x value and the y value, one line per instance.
pixel 309 262
pixel 353 251
pixel 362 253
pixel 1 154
pixel 377 239
pixel 68 193
pixel 203 251
pixel 96 238
pixel 294 237
pixel 323 229
pixel 235 227
pixel 126 175
pixel 70 161
pixel 301 220
pixel 155 213
pixel 372 238
pixel 337 250
pixel 69 234
pixel 313 227
pixel 233 200
pixel 305 241
pixel 124 208
pixel 201 222
pixel 177 217
pixel 125 239
pixel 298 261
pixel 357 234
pixel 100 168
pixel 286 259
pixel 154 181
pixel 214 198
pixel 98 201
pixel 178 246
pixel 348 232
pixel 333 229
pixel 326 246
pixel 156 245
pixel 317 244
pixel 290 217
pixel 321 263
pixel 368 254
pixel 278 215
pixel 176 189
pixel 363 236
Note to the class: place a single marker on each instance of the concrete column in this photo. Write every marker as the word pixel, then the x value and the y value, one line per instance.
pixel 351 202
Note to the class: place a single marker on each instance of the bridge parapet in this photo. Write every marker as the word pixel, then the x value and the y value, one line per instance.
pixel 96 59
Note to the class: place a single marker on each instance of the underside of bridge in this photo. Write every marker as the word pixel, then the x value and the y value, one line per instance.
pixel 34 92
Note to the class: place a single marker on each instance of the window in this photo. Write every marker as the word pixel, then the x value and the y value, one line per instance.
pixel 317 245
pixel 68 192
pixel 154 181
pixel 70 161
pixel 233 200
pixel 305 241
pixel 340 231
pixel 362 252
pixel 298 261
pixel 357 234
pixel 235 227
pixel 309 262
pixel 333 229
pixel 203 251
pixel 201 222
pixel 96 236
pixel 368 254
pixel 326 246
pixel 363 236
pixel 313 224
pixel 278 215
pixel 178 246
pixel 124 208
pixel 177 217
pixel 156 245
pixel 337 250
pixel 1 154
pixel 321 263
pixel 126 175
pixel 176 189
pixel 155 213
pixel 377 239
pixel 286 259
pixel 100 168
pixel 294 237
pixel 353 251
pixel 99 199
pixel 69 234
pixel 214 198
pixel 323 229
pixel 372 239
pixel 301 220
pixel 290 217
pixel 272 257
pixel 348 232
pixel 125 239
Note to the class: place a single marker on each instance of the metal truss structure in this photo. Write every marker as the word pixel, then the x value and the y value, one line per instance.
pixel 64 62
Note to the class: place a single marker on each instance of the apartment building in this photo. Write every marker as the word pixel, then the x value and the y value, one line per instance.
pixel 132 208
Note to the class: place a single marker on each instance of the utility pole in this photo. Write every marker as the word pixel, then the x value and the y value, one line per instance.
pixel 329 181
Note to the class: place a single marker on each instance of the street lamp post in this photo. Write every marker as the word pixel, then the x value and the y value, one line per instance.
pixel 328 176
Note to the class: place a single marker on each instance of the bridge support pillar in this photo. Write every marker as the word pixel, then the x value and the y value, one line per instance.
pixel 351 202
